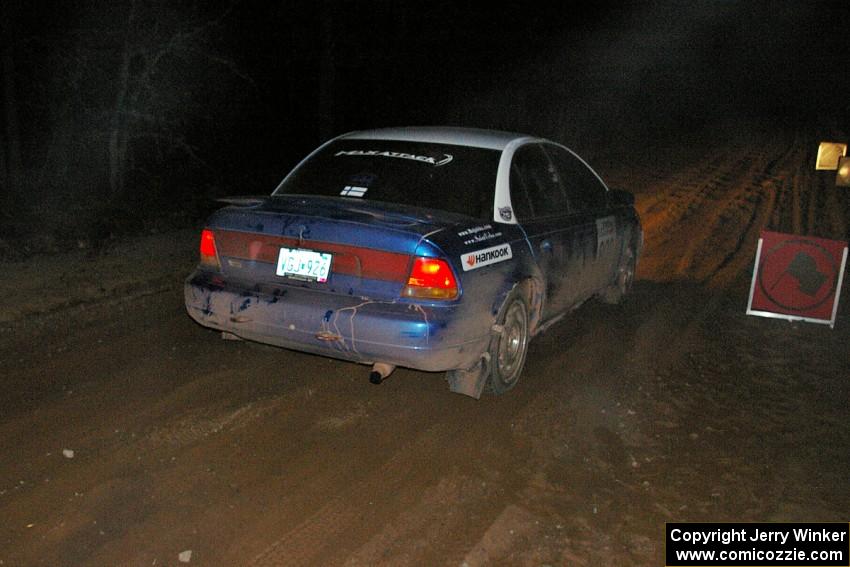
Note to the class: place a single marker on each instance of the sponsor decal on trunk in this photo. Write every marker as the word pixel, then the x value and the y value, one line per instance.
pixel 486 257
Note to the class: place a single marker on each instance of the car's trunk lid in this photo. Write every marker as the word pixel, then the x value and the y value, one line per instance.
pixel 371 244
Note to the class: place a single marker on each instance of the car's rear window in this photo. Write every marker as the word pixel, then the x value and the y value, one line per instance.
pixel 459 179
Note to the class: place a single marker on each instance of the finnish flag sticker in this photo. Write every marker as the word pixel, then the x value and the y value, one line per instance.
pixel 351 191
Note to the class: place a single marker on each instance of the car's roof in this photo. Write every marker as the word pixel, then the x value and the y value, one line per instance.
pixel 475 137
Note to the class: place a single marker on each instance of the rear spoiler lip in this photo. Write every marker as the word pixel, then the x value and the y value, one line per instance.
pixel 243 201
pixel 409 214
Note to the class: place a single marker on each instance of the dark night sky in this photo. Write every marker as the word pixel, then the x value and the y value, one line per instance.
pixel 622 72
pixel 628 70
pixel 265 83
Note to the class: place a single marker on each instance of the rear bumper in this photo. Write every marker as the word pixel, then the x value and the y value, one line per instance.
pixel 345 327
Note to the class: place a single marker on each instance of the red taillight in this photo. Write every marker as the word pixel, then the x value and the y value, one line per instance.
pixel 209 256
pixel 430 278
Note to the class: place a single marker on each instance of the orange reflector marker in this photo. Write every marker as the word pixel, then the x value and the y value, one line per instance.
pixel 829 153
pixel 209 255
pixel 430 278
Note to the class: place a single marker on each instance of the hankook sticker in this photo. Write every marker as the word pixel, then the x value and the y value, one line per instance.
pixel 486 257
pixel 437 162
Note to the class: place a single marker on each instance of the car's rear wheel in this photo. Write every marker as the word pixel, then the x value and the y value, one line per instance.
pixel 509 346
pixel 617 291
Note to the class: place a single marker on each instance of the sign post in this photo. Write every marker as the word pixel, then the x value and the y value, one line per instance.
pixel 797 278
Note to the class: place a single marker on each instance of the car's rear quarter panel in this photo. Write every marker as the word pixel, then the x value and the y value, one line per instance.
pixel 486 288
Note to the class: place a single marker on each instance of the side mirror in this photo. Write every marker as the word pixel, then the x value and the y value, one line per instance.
pixel 620 198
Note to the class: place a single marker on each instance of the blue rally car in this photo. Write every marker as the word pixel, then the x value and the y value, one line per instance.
pixel 440 249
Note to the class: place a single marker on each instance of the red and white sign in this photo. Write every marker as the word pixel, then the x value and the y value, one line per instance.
pixel 797 278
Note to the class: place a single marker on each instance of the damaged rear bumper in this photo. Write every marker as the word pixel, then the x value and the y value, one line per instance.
pixel 350 328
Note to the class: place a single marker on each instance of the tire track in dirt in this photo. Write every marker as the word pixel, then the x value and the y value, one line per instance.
pixel 785 173
pixel 676 199
pixel 670 227
pixel 780 206
pixel 797 206
pixel 764 201
pixel 602 473
pixel 707 232
pixel 194 426
pixel 305 542
pixel 665 194
pixel 813 191
pixel 390 502
pixel 439 514
pixel 718 224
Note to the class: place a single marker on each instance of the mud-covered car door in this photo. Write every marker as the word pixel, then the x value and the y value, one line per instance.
pixel 587 196
pixel 558 238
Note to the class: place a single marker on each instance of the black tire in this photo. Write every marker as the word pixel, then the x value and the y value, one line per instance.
pixel 622 286
pixel 508 348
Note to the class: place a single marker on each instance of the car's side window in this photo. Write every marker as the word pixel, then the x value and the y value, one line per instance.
pixel 535 185
pixel 582 187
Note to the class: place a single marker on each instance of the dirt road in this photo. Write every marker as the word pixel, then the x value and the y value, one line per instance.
pixel 130 435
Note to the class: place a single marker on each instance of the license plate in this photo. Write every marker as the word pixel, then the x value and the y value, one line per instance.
pixel 304 264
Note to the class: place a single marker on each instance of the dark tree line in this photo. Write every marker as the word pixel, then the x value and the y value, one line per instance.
pixel 11 168
pixel 131 110
pixel 112 96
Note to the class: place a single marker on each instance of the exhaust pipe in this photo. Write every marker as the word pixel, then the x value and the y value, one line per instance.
pixel 380 372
